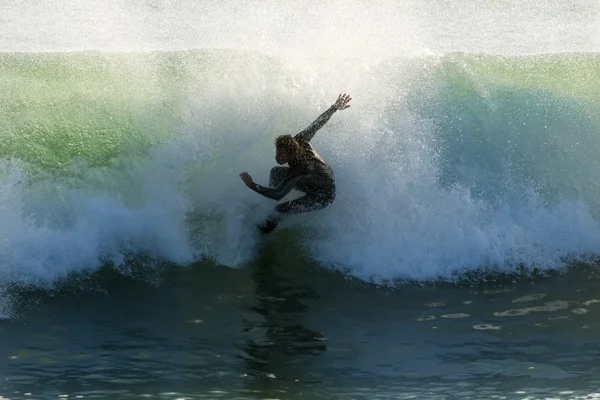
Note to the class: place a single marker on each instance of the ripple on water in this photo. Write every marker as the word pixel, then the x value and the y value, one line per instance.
pixel 436 304
pixel 454 316
pixel 548 307
pixel 580 311
pixel 531 297
pixel 486 327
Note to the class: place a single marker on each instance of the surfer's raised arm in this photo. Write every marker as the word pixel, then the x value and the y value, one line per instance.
pixel 277 193
pixel 307 134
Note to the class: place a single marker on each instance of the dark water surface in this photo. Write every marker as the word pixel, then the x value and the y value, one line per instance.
pixel 297 331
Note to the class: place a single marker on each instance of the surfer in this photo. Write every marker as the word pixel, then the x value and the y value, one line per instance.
pixel 306 171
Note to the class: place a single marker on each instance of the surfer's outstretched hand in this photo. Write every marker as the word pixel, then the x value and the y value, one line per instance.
pixel 342 102
pixel 247 179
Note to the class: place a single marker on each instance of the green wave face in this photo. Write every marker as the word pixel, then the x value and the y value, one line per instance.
pixel 58 107
pixel 526 121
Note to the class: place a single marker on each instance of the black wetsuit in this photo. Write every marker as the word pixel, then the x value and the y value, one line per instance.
pixel 310 175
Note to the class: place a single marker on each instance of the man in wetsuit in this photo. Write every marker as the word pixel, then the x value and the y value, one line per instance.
pixel 306 171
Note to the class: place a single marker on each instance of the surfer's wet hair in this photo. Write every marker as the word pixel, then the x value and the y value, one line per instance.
pixel 289 145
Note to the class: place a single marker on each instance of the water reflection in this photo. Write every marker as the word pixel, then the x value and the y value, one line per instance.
pixel 279 346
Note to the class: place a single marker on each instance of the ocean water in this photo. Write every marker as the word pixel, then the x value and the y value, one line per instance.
pixel 460 259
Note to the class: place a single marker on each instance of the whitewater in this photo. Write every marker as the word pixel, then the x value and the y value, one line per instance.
pixel 469 145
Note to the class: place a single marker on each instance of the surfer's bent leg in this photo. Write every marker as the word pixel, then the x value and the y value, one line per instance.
pixel 300 205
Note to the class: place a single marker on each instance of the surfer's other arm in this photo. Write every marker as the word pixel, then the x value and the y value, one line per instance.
pixel 308 133
pixel 277 193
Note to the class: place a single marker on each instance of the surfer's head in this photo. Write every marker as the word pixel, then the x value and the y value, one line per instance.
pixel 287 149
